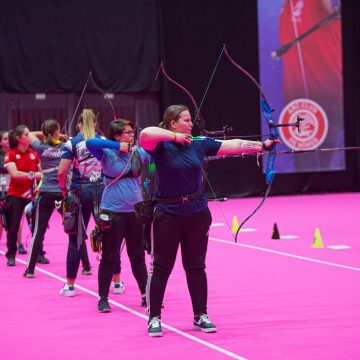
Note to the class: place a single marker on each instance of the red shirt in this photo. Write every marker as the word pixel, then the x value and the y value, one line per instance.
pixel 312 67
pixel 25 161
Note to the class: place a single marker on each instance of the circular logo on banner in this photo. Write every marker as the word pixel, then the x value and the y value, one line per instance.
pixel 313 129
pixel 32 156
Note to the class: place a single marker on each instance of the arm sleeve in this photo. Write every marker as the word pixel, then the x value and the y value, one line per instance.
pixel 212 147
pixel 38 146
pixel 68 153
pixel 96 146
pixel 154 152
pixel 9 158
pixel 144 156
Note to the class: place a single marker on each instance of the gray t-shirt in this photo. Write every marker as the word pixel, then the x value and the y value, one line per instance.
pixel 50 157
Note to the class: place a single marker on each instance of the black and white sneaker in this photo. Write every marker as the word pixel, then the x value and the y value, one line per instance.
pixel 28 274
pixel 154 327
pixel 67 291
pixel 103 305
pixel 202 322
pixel 87 270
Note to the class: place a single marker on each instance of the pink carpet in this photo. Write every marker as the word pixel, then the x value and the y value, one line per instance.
pixel 271 299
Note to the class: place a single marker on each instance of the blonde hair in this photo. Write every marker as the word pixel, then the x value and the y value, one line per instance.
pixel 88 121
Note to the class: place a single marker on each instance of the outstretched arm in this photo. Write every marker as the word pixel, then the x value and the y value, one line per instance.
pixel 96 146
pixel 151 136
pixel 238 146
pixel 35 135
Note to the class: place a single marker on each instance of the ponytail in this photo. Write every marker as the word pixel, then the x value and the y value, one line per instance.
pixel 88 121
pixel 48 128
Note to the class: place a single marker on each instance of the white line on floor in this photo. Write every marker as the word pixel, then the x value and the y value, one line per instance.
pixel 134 312
pixel 285 254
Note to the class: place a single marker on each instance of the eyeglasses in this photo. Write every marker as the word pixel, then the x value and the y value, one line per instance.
pixel 130 132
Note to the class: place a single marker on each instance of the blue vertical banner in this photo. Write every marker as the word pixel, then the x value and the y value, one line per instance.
pixel 301 75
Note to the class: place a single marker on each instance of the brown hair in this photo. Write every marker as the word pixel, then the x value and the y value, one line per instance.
pixel 13 134
pixel 2 133
pixel 172 113
pixel 48 127
pixel 117 126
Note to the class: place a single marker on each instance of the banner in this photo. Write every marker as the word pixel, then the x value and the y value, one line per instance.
pixel 301 75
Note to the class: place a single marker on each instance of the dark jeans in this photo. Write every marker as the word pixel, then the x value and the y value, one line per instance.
pixel 191 232
pixel 87 193
pixel 124 225
pixel 14 215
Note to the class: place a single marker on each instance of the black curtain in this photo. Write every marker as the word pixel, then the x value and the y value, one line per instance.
pixel 51 46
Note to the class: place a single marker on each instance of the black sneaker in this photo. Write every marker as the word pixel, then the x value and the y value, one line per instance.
pixel 41 259
pixel 202 322
pixel 21 249
pixel 28 274
pixel 144 303
pixel 11 261
pixel 103 305
pixel 154 327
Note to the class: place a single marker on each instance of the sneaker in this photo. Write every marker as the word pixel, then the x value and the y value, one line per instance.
pixel 42 260
pixel 67 290
pixel 118 288
pixel 28 274
pixel 87 271
pixel 154 326
pixel 11 261
pixel 103 305
pixel 21 249
pixel 202 322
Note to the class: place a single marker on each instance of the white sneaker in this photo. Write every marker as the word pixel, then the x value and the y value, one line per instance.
pixel 118 288
pixel 67 290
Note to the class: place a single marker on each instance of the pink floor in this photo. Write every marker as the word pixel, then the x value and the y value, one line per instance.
pixel 271 299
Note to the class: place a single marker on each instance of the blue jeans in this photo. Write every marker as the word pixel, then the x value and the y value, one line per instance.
pixel 88 194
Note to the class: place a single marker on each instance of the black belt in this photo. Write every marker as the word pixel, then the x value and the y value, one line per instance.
pixel 127 175
pixel 181 199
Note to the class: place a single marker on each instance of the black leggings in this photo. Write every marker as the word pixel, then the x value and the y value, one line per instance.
pixel 191 232
pixel 43 212
pixel 124 225
pixel 14 215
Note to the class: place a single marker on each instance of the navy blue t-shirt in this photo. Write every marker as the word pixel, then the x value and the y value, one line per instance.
pixel 180 172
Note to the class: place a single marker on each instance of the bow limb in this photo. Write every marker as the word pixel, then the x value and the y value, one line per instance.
pixel 65 129
pixel 267 113
pixel 201 123
pixel 106 97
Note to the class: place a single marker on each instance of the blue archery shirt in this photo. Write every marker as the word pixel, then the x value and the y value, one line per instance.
pixel 125 192
pixel 179 170
pixel 86 168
